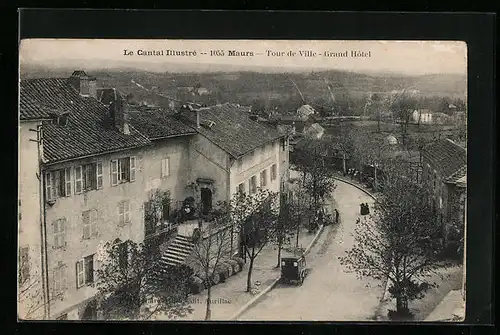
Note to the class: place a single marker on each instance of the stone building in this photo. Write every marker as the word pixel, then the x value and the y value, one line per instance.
pixel 444 170
pixel 101 163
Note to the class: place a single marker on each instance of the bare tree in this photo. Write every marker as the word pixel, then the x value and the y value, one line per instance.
pixel 298 207
pixel 30 297
pixel 318 178
pixel 402 104
pixel 285 225
pixel 256 215
pixel 130 278
pixel 399 241
pixel 212 249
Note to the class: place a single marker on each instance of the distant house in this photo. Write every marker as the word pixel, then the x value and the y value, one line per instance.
pixel 444 171
pixel 390 140
pixel 314 131
pixel 441 118
pixel 305 110
pixel 422 116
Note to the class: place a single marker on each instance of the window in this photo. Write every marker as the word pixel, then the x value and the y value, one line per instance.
pixel 165 167
pixel 89 181
pixel 283 145
pixel 89 219
pixel 85 271
pixel 123 170
pixel 24 265
pixel 59 233
pixel 123 255
pixel 165 206
pixel 55 184
pixel 59 279
pixel 274 172
pixel 253 185
pixel 241 188
pixel 124 212
pixel 263 178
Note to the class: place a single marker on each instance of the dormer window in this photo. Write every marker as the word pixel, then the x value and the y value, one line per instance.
pixel 62 119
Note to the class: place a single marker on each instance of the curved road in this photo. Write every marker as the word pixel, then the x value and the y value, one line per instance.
pixel 329 292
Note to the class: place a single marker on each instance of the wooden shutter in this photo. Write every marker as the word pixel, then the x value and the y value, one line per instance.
pixel 114 172
pixel 78 179
pixel 48 186
pixel 98 172
pixel 86 224
pixel 80 274
pixel 68 181
pixel 132 169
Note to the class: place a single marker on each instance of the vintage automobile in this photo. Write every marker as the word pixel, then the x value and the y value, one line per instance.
pixel 293 269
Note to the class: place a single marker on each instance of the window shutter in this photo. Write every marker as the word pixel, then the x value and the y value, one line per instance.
pixel 114 172
pixel 86 224
pixel 132 169
pixel 80 274
pixel 121 213
pixel 78 180
pixel 127 211
pixel 48 186
pixel 68 181
pixel 98 175
pixel 93 222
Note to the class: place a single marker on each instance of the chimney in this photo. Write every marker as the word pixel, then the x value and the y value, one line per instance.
pixel 189 108
pixel 85 85
pixel 119 113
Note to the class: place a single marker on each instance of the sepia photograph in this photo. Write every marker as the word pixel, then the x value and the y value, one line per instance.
pixel 242 180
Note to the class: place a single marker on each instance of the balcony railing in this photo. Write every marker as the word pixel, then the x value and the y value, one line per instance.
pixel 160 229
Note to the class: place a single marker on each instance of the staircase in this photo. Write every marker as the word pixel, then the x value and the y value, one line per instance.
pixel 177 251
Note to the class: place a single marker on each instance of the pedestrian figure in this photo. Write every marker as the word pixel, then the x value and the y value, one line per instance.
pixel 336 216
pixel 362 208
pixel 358 221
pixel 367 209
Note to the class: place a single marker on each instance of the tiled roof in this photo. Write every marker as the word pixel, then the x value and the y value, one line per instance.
pixel 233 130
pixel 446 157
pixel 157 124
pixel 459 177
pixel 29 109
pixel 89 130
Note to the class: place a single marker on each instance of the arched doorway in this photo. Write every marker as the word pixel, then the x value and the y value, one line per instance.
pixel 90 312
pixel 206 200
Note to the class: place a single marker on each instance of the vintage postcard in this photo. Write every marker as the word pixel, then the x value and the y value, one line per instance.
pixel 243 180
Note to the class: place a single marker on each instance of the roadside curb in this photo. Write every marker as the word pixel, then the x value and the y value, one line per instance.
pixel 256 299
pixel 315 239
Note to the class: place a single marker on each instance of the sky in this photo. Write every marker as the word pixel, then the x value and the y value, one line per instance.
pixel 405 57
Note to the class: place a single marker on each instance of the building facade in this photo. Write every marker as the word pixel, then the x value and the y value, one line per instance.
pixel 444 169
pixel 103 161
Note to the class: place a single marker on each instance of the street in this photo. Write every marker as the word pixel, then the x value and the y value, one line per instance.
pixel 329 293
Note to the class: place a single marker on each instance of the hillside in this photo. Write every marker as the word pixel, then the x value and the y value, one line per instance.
pixel 267 90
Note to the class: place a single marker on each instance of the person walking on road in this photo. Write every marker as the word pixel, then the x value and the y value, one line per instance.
pixel 336 216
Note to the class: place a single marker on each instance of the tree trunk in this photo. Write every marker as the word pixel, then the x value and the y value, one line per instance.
pixel 249 276
pixel 298 231
pixel 344 163
pixel 208 312
pixel 280 242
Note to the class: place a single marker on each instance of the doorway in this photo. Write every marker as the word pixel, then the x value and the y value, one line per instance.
pixel 206 200
pixel 90 312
